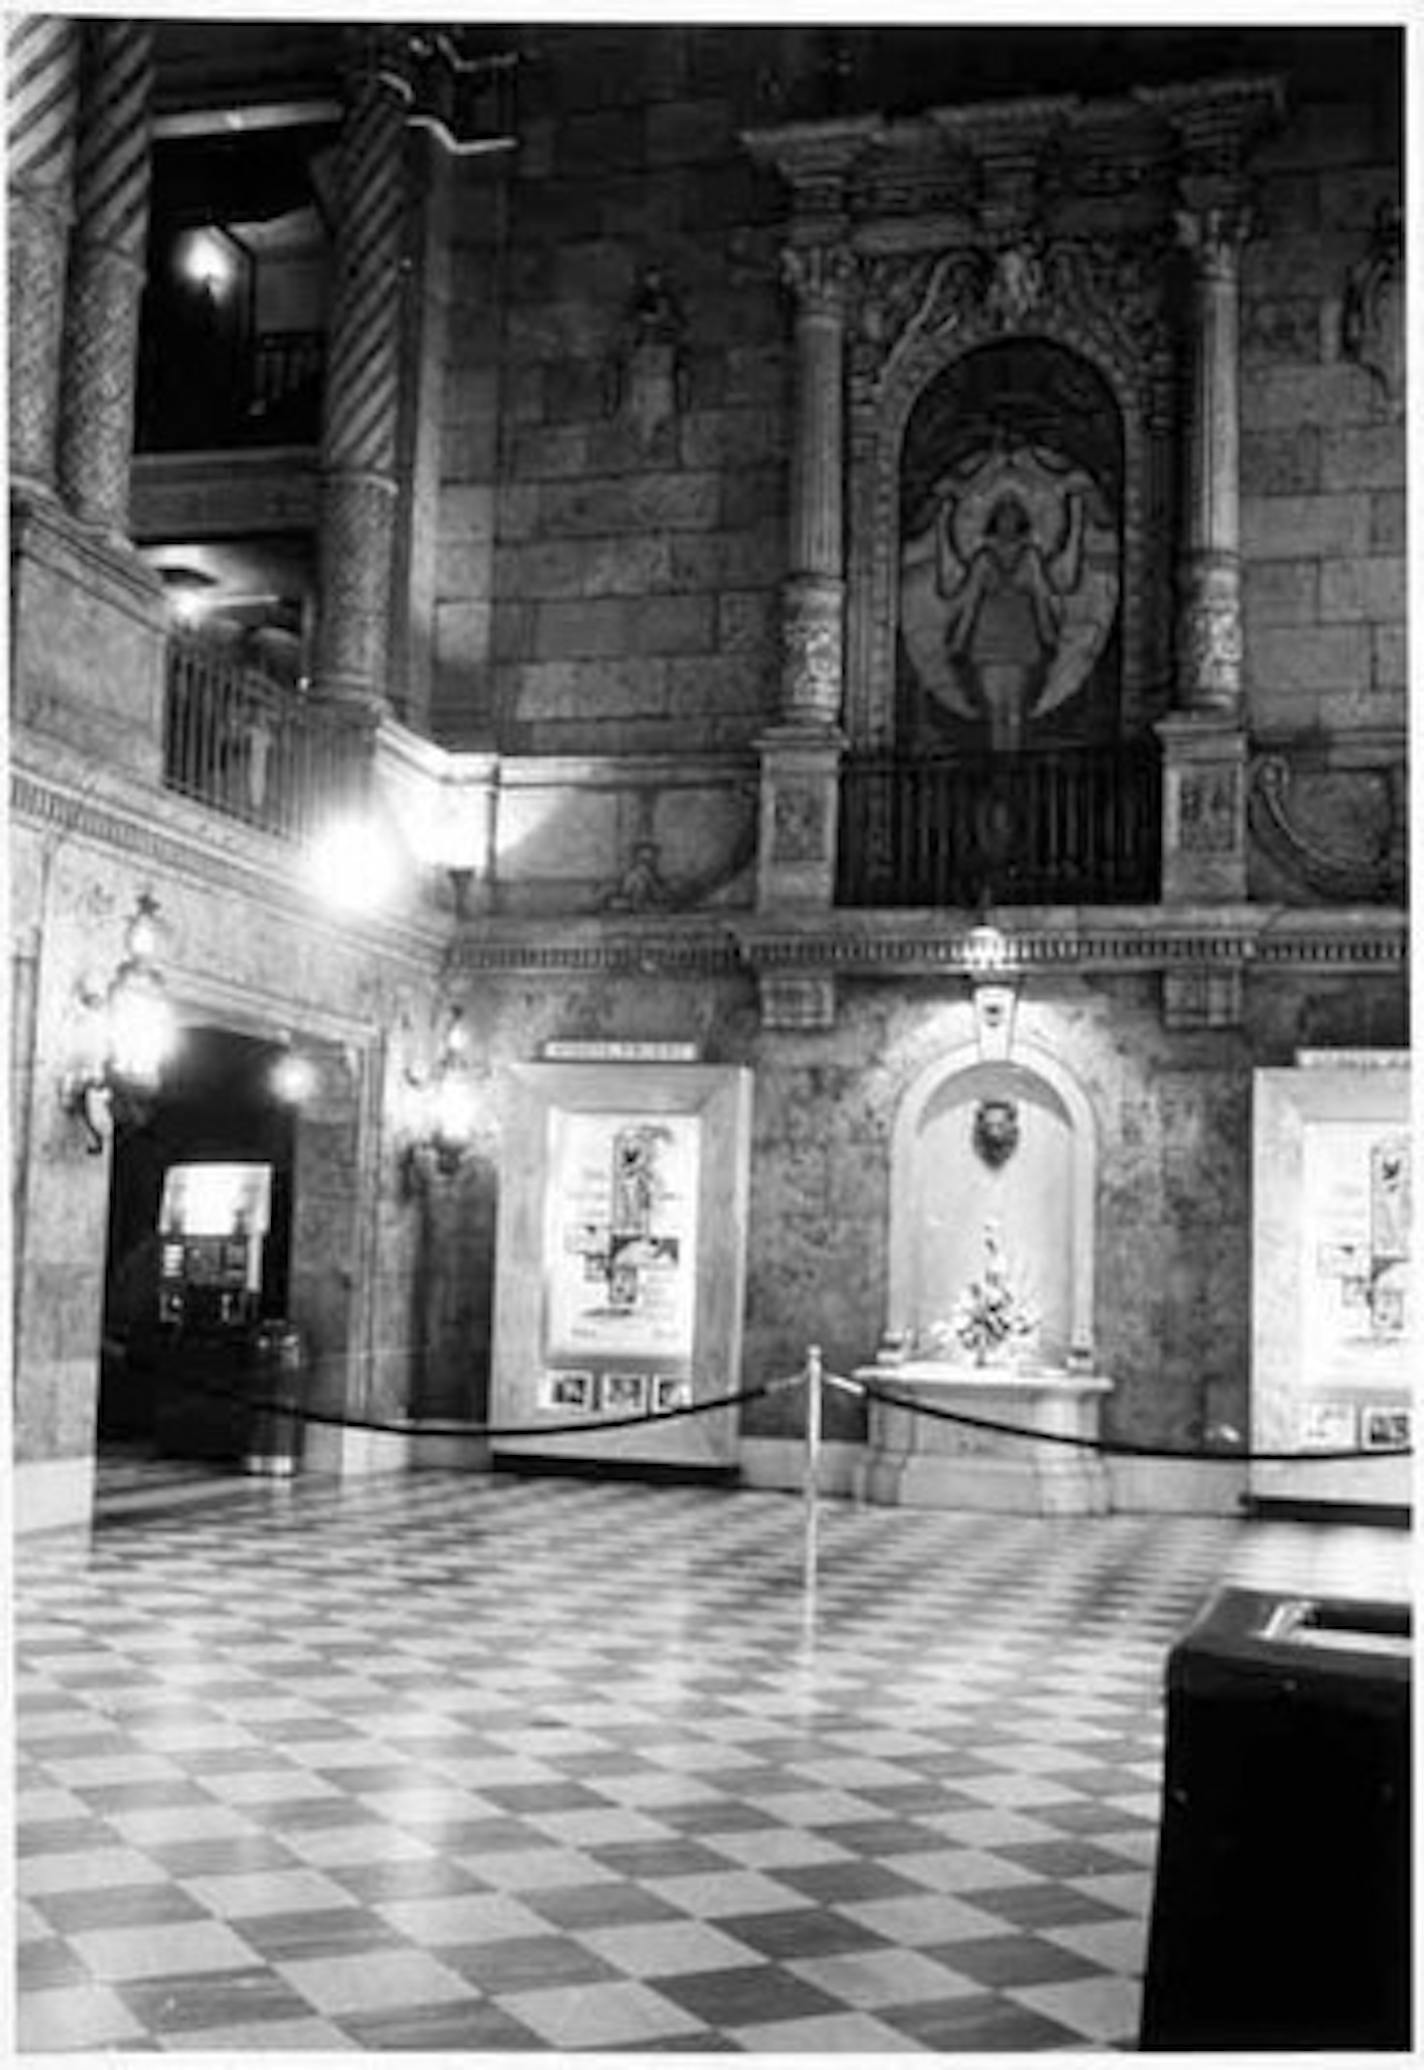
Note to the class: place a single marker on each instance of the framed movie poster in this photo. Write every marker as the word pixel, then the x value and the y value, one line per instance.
pixel 621 1259
pixel 1334 1336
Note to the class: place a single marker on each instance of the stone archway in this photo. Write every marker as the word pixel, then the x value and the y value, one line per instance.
pixel 1043 1196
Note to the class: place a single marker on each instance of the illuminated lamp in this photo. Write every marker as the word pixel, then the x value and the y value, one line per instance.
pixel 443 1115
pixel 131 1036
pixel 990 963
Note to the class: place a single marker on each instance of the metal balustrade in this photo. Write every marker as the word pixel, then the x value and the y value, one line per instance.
pixel 261 391
pixel 1078 826
pixel 252 748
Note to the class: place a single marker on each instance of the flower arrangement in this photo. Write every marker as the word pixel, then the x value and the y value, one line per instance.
pixel 991 1318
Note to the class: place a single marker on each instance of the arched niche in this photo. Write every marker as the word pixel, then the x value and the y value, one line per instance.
pixel 1042 1198
pixel 1100 305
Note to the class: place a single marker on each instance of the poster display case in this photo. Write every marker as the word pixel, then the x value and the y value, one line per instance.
pixel 620 1266
pixel 1334 1333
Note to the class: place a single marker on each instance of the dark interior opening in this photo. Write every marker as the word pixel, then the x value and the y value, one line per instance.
pixel 217 1105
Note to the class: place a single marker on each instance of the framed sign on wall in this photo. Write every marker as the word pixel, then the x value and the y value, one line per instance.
pixel 620 1261
pixel 1333 1334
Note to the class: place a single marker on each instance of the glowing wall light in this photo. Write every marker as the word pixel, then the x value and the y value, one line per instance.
pixel 129 1035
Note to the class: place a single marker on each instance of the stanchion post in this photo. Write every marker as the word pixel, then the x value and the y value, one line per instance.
pixel 811 1486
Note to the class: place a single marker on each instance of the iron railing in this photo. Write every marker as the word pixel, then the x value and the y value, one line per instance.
pixel 252 748
pixel 263 391
pixel 1077 826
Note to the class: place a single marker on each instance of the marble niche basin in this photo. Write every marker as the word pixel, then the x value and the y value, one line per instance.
pixel 923 1461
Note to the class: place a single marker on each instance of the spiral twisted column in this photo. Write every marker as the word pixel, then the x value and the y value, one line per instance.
pixel 42 71
pixel 106 272
pixel 359 430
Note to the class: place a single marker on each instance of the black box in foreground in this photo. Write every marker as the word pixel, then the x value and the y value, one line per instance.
pixel 1281 1908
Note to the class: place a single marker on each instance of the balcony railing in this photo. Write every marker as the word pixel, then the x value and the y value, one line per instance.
pixel 251 748
pixel 266 391
pixel 1058 827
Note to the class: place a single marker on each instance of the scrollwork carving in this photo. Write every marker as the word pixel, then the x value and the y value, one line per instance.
pixel 1369 803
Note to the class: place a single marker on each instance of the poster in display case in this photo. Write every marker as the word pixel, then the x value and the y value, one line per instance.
pixel 620 1268
pixel 1334 1335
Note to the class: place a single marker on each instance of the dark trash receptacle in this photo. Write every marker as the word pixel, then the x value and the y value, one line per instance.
pixel 1281 1906
pixel 276 1376
pixel 200 1387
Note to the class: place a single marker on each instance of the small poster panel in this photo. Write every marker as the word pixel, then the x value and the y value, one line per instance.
pixel 1355 1281
pixel 620 1255
pixel 1333 1325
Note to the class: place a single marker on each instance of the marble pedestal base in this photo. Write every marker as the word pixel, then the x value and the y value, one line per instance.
pixel 925 1462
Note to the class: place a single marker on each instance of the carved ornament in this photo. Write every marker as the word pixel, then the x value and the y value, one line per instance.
pixel 1210 650
pixel 1208 812
pixel 1372 326
pixel 819 275
pixel 1366 804
pixel 800 823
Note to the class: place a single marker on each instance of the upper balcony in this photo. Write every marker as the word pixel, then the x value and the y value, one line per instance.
pixel 232 342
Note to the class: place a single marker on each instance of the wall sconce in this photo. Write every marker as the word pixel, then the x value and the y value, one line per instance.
pixel 133 1035
pixel 989 960
pixel 444 1111
pixel 294 1077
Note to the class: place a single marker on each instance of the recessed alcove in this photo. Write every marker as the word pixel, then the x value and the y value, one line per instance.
pixel 946 1189
pixel 990 1154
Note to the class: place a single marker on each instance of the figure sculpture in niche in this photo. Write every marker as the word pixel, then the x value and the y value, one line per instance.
pixel 1006 607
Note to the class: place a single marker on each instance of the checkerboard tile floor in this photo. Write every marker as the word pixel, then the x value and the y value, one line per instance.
pixel 461 1764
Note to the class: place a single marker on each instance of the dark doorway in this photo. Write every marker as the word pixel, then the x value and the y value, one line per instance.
pixel 217 1104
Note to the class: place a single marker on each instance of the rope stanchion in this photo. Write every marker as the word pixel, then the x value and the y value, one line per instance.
pixel 456 1427
pixel 811 1489
pixel 813 1376
pixel 1121 1447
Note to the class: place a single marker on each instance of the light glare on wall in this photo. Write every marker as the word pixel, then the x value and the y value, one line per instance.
pixel 354 866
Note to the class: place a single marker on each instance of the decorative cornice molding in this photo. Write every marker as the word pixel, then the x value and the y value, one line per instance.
pixel 233 861
pixel 1072 941
pixel 1110 941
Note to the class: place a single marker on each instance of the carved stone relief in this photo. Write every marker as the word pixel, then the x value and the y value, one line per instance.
pixel 1333 834
pixel 1372 328
pixel 799 823
pixel 1208 811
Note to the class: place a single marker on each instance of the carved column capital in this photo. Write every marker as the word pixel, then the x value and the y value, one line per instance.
pixel 820 276
pixel 1213 232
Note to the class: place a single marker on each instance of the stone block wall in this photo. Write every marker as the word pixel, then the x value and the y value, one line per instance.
pixel 631 600
pixel 1323 444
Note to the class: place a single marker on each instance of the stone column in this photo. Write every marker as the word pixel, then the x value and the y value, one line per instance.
pixel 800 754
pixel 1204 744
pixel 106 273
pixel 1209 650
pixel 1204 740
pixel 800 770
pixel 357 525
pixel 42 66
